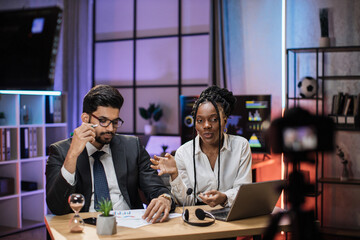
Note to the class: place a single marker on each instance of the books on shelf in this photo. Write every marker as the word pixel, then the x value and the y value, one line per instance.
pixel 347 102
pixel 24 142
pixel 345 110
pixel 28 142
pixel 53 109
pixel 5 143
pixel 8 144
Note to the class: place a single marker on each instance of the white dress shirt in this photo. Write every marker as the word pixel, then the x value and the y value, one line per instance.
pixel 235 169
pixel 117 198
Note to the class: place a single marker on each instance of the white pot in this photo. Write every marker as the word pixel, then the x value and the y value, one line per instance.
pixel 324 42
pixel 106 225
pixel 150 129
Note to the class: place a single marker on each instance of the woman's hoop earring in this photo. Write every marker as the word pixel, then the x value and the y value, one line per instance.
pixel 225 130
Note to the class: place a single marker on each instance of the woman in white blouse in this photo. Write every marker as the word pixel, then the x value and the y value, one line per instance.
pixel 214 164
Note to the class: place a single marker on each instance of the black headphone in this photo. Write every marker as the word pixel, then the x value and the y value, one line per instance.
pixel 200 214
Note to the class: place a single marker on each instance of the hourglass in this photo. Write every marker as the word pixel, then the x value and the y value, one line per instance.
pixel 76 202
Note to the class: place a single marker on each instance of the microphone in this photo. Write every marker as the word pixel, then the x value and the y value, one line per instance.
pixel 189 191
pixel 186 213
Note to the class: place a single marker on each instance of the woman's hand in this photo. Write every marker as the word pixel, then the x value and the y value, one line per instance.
pixel 165 164
pixel 213 198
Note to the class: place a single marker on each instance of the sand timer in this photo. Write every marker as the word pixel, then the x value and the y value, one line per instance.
pixel 76 202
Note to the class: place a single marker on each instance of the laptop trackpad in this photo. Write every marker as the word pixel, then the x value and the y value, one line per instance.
pixel 221 214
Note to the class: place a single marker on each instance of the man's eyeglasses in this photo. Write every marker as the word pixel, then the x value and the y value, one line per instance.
pixel 105 122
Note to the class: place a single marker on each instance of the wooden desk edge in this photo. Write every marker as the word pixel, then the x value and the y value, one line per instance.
pixel 166 230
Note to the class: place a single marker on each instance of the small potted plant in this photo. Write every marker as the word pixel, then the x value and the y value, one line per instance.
pixel 345 172
pixel 106 222
pixel 152 113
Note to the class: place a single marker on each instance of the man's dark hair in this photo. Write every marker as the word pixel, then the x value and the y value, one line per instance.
pixel 102 95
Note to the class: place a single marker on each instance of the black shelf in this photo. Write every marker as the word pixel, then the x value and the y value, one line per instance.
pixel 351 123
pixel 324 49
pixel 344 77
pixel 340 232
pixel 338 181
pixel 347 128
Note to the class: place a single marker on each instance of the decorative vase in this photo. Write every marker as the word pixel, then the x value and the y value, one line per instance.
pixel 25 114
pixel 106 225
pixel 345 173
pixel 324 42
pixel 149 129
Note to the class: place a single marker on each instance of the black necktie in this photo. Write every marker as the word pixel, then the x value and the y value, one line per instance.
pixel 101 188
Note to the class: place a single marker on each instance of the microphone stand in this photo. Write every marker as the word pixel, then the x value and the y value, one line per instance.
pixel 188 193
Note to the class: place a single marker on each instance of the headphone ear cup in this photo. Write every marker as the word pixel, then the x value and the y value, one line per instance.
pixel 200 214
pixel 186 215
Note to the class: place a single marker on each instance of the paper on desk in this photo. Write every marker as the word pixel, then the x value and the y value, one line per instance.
pixel 133 218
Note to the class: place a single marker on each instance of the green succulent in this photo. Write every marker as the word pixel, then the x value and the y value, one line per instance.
pixel 153 112
pixel 105 206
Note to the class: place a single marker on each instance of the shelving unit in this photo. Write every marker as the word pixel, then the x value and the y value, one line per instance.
pixel 22 209
pixel 319 105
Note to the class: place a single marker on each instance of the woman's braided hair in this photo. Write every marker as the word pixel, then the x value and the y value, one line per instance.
pixel 218 97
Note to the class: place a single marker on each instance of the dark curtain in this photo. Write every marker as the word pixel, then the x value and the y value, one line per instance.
pixel 226 51
pixel 218 55
pixel 77 55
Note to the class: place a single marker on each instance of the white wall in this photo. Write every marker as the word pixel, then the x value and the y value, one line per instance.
pixel 255 49
pixel 255 60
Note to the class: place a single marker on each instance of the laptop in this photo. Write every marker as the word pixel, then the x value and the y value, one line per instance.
pixel 252 199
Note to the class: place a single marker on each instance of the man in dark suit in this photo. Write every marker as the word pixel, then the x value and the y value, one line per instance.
pixel 73 164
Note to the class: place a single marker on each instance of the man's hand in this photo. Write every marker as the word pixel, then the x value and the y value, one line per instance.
pixel 213 198
pixel 82 134
pixel 156 208
pixel 166 164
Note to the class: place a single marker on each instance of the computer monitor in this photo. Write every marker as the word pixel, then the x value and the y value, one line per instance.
pixel 249 114
pixel 28 47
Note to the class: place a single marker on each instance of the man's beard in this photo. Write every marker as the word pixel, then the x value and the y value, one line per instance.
pixel 99 140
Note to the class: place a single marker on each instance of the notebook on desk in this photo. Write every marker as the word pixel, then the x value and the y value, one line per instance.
pixel 252 199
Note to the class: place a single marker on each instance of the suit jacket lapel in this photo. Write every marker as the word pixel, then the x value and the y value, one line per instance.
pixel 83 169
pixel 120 165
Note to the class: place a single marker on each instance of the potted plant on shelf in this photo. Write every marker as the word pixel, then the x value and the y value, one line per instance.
pixel 345 172
pixel 106 222
pixel 152 113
